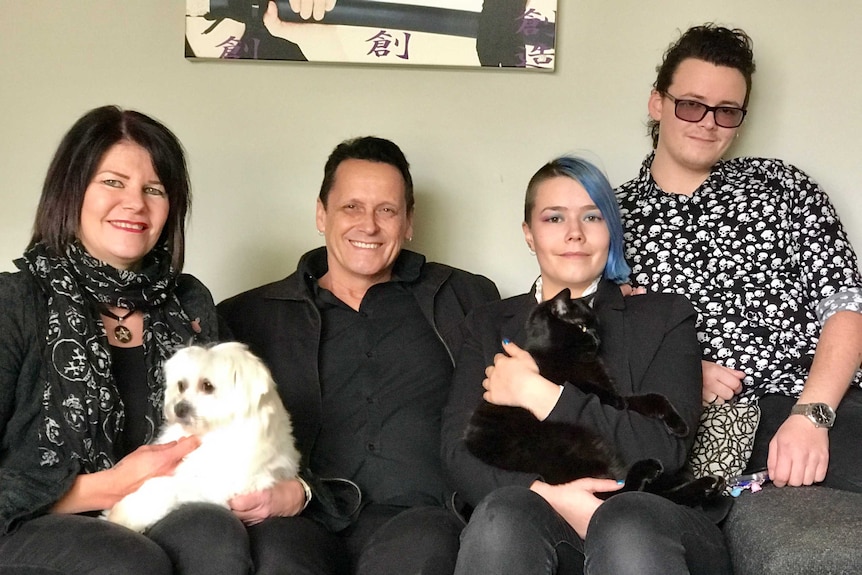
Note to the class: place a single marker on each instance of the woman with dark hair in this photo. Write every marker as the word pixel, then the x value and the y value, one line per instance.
pixel 521 524
pixel 86 324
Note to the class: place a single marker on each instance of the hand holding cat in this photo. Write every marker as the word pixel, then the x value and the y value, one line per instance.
pixel 514 380
pixel 576 501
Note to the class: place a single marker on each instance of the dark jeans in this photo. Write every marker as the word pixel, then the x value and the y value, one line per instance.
pixel 845 447
pixel 385 539
pixel 204 539
pixel 296 546
pixel 195 539
pixel 515 531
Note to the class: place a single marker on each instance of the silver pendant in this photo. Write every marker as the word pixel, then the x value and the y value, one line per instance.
pixel 123 334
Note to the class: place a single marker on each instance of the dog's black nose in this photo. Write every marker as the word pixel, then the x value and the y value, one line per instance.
pixel 182 409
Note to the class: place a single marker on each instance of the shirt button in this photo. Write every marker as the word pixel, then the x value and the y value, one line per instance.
pixel 369 354
pixel 371 447
pixel 369 400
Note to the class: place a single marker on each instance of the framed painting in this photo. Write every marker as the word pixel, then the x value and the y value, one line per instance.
pixel 516 34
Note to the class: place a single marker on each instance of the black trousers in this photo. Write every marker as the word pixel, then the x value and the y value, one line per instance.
pixel 385 539
pixel 515 531
pixel 196 539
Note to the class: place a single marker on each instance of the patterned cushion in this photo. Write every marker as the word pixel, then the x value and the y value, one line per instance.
pixel 724 439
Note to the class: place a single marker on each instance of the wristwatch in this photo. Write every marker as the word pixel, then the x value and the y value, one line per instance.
pixel 307 488
pixel 820 414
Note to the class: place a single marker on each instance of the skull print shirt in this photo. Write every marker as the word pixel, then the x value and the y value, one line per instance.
pixel 759 251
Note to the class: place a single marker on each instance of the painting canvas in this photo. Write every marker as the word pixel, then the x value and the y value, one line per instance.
pixel 516 34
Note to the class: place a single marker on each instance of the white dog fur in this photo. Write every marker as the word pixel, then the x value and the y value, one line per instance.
pixel 226 396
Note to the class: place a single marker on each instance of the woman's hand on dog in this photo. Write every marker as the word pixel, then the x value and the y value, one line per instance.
pixel 284 499
pixel 151 461
pixel 103 489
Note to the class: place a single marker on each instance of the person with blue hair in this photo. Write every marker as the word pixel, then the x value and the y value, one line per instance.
pixel 597 187
pixel 520 523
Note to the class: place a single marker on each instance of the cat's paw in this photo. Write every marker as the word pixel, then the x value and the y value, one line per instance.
pixel 712 485
pixel 657 406
pixel 697 491
pixel 642 473
pixel 675 424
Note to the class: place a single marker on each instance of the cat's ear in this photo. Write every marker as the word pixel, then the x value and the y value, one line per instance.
pixel 565 295
pixel 561 302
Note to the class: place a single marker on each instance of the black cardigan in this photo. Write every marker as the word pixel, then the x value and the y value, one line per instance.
pixel 26 488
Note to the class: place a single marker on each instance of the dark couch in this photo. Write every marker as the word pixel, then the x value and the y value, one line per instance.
pixel 796 531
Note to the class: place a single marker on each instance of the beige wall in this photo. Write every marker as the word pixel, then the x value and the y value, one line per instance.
pixel 257 134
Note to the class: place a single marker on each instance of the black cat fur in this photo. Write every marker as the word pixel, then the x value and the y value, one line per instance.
pixel 562 337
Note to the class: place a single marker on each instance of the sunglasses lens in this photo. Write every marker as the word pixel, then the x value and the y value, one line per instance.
pixel 728 117
pixel 690 111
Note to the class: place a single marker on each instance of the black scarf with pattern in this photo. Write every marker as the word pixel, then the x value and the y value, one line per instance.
pixel 82 413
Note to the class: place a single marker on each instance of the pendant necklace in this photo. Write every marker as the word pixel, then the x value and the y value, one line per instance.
pixel 121 332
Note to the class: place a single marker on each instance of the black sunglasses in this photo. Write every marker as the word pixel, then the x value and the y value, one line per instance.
pixel 692 111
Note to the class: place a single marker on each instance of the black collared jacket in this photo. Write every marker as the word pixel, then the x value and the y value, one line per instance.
pixel 649 345
pixel 281 324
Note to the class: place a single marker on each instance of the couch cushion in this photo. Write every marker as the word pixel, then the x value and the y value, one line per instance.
pixel 795 530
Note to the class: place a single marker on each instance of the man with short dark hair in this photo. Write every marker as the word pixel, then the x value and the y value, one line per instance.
pixel 361 340
pixel 758 248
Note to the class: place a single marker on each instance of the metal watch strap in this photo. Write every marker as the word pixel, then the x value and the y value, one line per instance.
pixel 808 410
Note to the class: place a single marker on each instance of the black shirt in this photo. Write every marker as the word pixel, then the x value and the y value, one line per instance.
pixel 130 377
pixel 385 378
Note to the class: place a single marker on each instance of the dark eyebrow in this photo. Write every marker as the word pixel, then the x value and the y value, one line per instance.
pixel 584 208
pixel 126 176
pixel 114 172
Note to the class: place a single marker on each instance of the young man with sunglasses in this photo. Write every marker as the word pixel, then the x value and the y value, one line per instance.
pixel 758 248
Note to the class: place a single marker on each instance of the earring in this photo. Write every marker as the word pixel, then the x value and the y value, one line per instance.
pixel 532 253
pixel 319 232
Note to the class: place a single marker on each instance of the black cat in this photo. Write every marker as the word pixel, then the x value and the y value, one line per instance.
pixel 562 337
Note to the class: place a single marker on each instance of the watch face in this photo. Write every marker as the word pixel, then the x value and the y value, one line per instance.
pixel 821 414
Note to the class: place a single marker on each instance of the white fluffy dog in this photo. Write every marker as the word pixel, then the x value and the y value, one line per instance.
pixel 226 396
